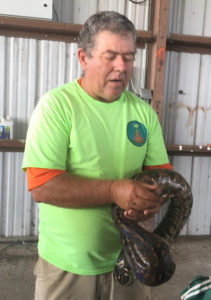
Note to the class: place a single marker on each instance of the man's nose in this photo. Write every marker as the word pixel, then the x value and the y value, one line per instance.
pixel 119 63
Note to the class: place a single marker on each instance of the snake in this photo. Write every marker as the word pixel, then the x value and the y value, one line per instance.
pixel 146 256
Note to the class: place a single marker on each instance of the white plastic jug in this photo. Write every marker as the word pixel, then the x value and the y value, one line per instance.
pixel 6 128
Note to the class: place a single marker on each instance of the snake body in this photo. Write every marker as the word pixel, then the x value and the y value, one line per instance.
pixel 146 255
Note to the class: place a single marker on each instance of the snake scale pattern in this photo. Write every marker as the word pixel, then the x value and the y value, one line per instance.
pixel 146 255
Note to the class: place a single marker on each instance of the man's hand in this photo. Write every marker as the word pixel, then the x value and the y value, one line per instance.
pixel 139 200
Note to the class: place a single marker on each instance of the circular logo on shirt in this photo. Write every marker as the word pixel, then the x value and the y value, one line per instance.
pixel 136 133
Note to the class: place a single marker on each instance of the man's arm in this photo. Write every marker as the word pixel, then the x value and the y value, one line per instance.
pixel 70 191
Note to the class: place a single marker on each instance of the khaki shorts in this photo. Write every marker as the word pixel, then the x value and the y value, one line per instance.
pixel 55 284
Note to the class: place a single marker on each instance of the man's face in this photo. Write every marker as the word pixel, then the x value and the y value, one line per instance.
pixel 110 66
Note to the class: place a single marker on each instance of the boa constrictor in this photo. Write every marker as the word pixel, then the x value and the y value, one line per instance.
pixel 146 255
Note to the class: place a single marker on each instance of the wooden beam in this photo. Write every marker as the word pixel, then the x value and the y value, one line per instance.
pixel 189 150
pixel 156 55
pixel 143 37
pixel 39 29
pixel 54 31
pixel 189 43
pixel 173 150
pixel 66 32
pixel 12 145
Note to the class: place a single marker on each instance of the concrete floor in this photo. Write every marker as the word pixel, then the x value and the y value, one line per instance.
pixel 192 256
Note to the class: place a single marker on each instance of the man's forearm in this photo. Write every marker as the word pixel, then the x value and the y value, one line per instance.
pixel 67 190
pixel 72 191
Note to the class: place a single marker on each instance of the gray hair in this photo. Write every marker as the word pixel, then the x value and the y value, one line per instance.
pixel 104 21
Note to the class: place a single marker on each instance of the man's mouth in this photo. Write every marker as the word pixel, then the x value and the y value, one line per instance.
pixel 115 80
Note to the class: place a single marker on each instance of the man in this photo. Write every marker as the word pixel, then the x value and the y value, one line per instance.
pixel 85 141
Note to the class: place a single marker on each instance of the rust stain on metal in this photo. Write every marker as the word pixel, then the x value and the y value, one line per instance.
pixel 191 111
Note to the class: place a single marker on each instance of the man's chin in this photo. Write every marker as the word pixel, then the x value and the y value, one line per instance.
pixel 115 94
pixel 112 98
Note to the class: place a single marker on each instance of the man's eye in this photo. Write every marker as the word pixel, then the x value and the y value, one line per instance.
pixel 125 57
pixel 128 57
pixel 110 57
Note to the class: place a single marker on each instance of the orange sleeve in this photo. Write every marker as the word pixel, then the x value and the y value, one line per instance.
pixel 165 166
pixel 38 176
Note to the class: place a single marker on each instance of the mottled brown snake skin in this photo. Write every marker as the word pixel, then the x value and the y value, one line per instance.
pixel 146 255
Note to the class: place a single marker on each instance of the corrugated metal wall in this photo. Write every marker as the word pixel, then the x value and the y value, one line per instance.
pixel 28 69
pixel 186 115
pixel 77 11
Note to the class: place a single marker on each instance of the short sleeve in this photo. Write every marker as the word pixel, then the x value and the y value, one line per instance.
pixel 156 150
pixel 48 134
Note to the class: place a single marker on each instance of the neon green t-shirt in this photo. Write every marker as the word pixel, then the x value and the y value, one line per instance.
pixel 69 130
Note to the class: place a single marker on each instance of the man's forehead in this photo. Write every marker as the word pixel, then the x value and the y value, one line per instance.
pixel 100 36
pixel 109 41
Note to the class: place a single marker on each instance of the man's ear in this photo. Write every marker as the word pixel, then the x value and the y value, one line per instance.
pixel 82 58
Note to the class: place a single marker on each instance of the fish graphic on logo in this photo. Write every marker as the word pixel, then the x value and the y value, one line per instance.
pixel 136 133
